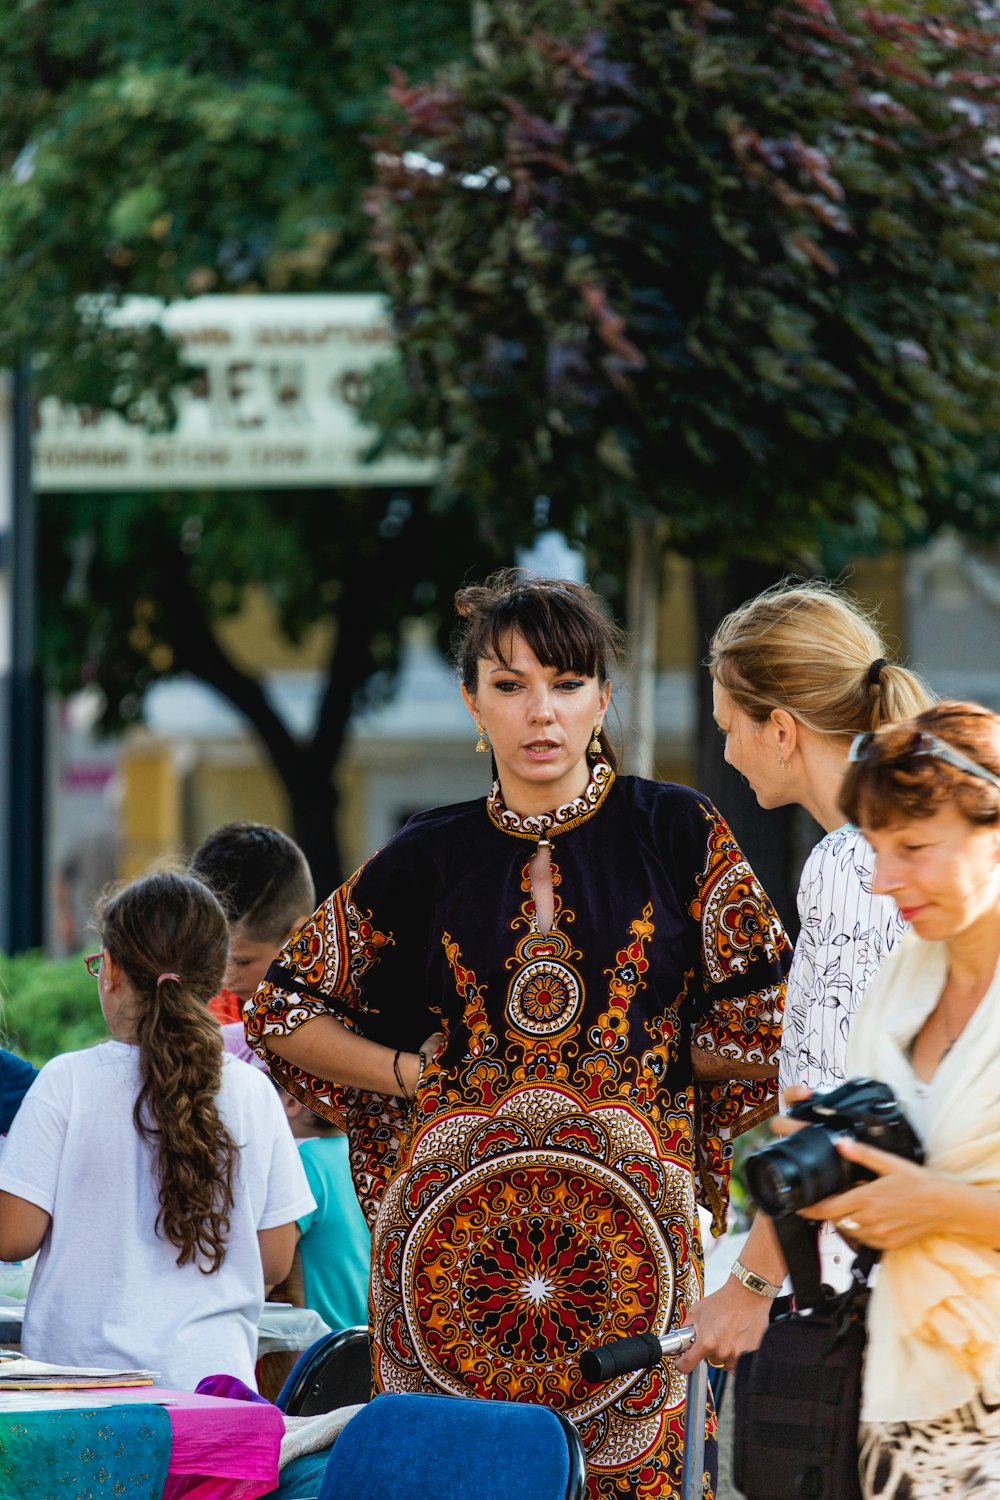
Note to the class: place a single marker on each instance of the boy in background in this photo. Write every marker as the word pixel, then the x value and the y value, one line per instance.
pixel 264 884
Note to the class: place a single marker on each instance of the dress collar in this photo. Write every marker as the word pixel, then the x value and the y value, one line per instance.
pixel 544 826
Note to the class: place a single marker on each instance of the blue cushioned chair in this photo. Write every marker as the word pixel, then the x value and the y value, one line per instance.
pixel 106 1452
pixel 334 1371
pixel 427 1447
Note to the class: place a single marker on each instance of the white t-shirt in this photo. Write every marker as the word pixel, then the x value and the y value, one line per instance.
pixel 107 1289
pixel 846 931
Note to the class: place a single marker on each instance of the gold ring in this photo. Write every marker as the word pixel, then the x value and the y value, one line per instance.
pixel 851 1225
pixel 716 1365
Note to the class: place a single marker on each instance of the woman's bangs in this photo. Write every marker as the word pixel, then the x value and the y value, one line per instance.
pixel 561 638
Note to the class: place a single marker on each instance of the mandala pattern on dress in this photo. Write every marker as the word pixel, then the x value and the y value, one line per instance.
pixel 555 1230
pixel 737 920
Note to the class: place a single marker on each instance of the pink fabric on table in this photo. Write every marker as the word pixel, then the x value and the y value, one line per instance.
pixel 222 1449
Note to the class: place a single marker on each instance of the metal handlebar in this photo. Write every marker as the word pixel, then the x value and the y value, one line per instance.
pixel 642 1352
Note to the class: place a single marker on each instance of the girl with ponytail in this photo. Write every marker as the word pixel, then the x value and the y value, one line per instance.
pixel 156 1175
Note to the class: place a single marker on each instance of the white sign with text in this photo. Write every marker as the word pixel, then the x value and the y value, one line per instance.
pixel 275 407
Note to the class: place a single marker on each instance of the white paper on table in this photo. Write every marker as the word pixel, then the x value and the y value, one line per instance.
pixel 14 1401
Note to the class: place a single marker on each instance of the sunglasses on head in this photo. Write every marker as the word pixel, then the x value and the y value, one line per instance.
pixel 922 743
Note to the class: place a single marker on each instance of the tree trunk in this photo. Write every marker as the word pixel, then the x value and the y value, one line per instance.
pixel 775 842
pixel 642 607
pixel 314 800
pixel 305 769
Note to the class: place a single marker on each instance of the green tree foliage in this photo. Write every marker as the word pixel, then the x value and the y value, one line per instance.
pixel 138 583
pixel 733 265
pixel 48 1006
pixel 165 149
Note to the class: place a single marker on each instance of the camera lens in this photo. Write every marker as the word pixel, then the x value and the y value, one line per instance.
pixel 797 1171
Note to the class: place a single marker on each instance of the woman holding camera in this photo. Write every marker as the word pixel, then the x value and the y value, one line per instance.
pixel 926 796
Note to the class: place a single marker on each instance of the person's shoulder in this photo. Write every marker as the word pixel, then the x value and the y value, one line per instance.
pixel 843 854
pixel 91 1059
pixel 322 1147
pixel 423 838
pixel 322 1156
pixel 826 853
pixel 14 1067
pixel 436 822
pixel 845 841
pixel 667 804
pixel 87 1068
pixel 243 1077
pixel 251 1103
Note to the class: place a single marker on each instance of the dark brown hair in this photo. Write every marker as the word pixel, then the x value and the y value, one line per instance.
pixel 890 784
pixel 261 877
pixel 163 924
pixel 565 624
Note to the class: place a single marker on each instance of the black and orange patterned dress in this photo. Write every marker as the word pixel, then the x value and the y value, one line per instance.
pixel 541 1196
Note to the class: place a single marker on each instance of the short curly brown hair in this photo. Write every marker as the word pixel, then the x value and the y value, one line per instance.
pixel 890 783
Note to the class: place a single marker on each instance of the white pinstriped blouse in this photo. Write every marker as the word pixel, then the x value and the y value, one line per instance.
pixel 846 932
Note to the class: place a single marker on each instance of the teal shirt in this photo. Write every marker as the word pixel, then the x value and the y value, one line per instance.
pixel 335 1247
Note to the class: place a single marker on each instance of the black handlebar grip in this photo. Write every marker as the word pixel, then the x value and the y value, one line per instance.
pixel 641 1352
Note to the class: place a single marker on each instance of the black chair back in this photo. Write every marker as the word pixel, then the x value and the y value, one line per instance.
pixel 336 1371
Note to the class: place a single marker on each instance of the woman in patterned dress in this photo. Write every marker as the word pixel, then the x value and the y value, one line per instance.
pixel 797 672
pixel 608 977
pixel 927 795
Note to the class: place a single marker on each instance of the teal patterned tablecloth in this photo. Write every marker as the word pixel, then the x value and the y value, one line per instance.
pixel 105 1453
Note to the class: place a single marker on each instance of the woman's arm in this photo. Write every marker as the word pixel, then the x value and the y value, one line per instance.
pixel 23 1227
pixel 734 1319
pixel 325 1047
pixel 714 1067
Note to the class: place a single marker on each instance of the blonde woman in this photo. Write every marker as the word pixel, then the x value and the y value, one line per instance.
pixel 797 673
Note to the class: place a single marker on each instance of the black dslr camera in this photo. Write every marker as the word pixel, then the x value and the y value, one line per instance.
pixel 800 1169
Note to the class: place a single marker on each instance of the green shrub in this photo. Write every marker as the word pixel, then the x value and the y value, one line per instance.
pixel 743 1207
pixel 48 1006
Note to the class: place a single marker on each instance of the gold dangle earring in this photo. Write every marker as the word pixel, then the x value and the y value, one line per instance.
pixel 595 747
pixel 482 744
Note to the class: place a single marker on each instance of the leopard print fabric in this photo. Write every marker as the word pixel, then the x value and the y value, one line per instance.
pixel 950 1456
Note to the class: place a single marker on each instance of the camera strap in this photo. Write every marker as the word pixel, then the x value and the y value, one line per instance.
pixel 799 1240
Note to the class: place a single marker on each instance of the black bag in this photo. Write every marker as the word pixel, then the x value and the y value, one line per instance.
pixel 797 1402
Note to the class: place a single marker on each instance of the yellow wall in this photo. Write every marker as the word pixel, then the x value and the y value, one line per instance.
pixel 151 806
pixel 253 641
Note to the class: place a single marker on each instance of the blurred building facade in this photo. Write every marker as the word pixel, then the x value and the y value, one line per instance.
pixel 193 763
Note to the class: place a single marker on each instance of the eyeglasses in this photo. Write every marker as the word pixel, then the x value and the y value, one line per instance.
pixel 93 963
pixel 922 744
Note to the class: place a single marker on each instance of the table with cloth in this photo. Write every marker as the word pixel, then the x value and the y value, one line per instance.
pixel 220 1449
